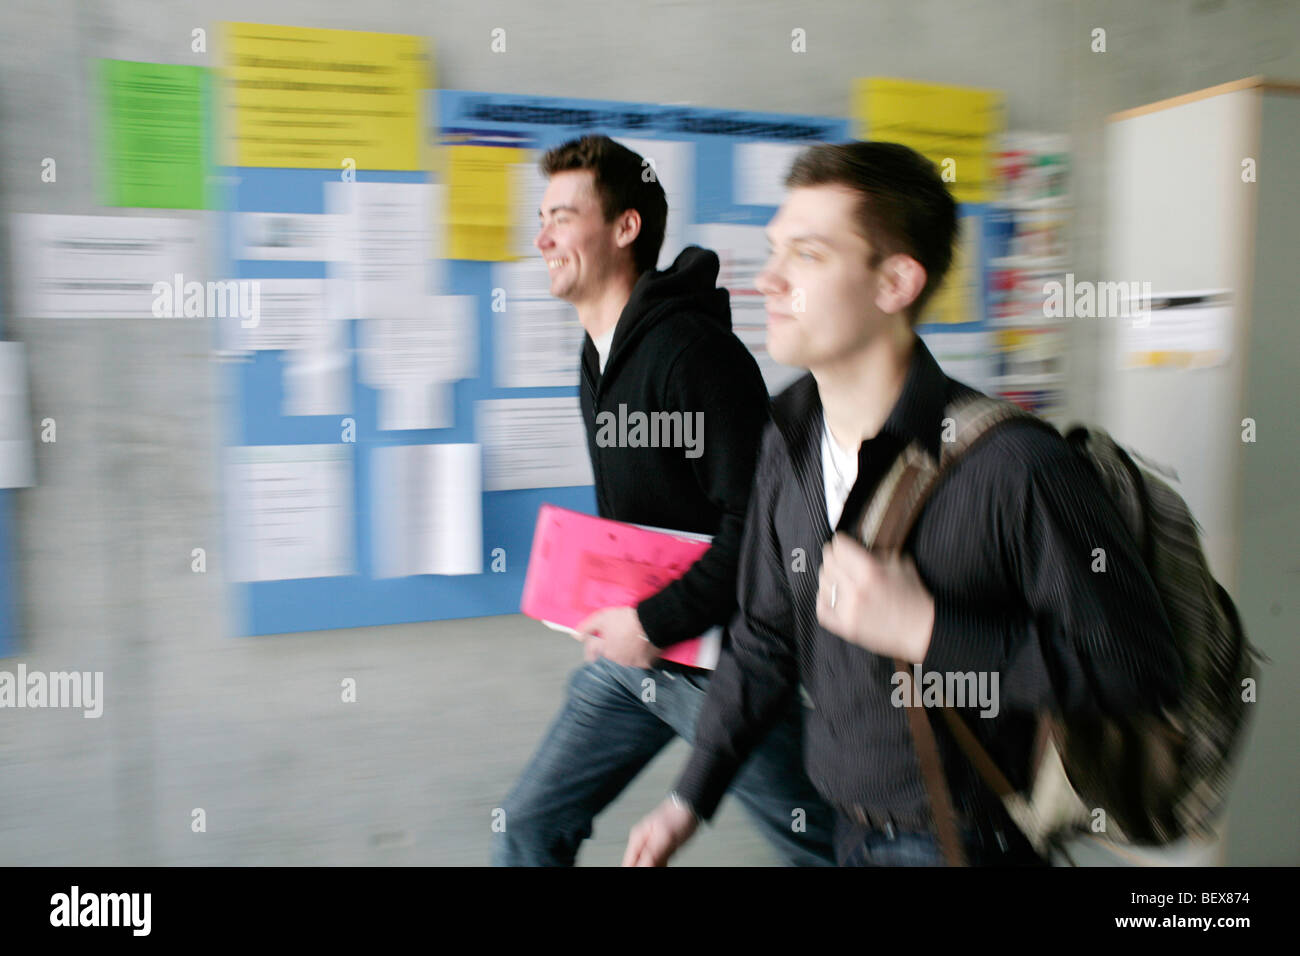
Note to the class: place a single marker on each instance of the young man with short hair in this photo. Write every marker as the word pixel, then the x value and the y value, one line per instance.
pixel 656 342
pixel 996 577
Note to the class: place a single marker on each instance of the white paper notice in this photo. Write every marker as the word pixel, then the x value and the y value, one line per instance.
pixel 530 185
pixel 437 346
pixel 674 164
pixel 426 503
pixel 965 356
pixel 1181 330
pixel 290 509
pixel 385 239
pixel 100 267
pixel 538 338
pixel 437 234
pixel 292 315
pixel 318 378
pixel 17 464
pixel 286 236
pixel 759 171
pixel 340 299
pixel 742 252
pixel 414 358
pixel 526 279
pixel 533 443
pixel 413 406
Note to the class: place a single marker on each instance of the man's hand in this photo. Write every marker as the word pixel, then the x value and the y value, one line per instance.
pixel 659 835
pixel 619 636
pixel 881 603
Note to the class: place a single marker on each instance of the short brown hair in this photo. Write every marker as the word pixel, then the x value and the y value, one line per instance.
pixel 620 185
pixel 904 206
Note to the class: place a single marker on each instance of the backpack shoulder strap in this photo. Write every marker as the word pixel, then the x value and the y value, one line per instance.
pixel 886 522
pixel 903 492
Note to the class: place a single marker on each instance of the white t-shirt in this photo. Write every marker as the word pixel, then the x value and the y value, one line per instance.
pixel 839 471
pixel 602 346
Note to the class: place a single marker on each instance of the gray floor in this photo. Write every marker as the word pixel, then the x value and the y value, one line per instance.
pixel 254 731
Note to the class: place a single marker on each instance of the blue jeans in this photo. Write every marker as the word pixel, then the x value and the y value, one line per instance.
pixel 608 731
pixel 858 845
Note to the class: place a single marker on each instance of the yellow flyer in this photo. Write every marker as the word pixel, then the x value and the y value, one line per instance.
pixel 480 202
pixel 323 99
pixel 956 127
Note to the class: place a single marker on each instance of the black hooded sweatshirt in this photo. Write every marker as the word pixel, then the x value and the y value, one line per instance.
pixel 674 352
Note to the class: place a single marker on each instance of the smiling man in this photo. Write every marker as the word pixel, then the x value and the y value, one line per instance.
pixel 996 577
pixel 659 349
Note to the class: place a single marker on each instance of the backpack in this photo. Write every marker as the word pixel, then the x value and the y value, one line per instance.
pixel 1158 777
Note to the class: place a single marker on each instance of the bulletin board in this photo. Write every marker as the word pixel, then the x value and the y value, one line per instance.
pixel 714 142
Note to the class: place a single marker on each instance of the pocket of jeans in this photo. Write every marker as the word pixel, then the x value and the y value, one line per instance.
pixel 909 849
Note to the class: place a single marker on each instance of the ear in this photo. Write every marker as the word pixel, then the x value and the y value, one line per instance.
pixel 627 228
pixel 901 280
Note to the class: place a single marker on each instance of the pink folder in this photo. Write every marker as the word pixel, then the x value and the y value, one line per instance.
pixel 580 564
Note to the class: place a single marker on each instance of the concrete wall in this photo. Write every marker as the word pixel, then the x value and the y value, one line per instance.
pixel 1270 502
pixel 252 730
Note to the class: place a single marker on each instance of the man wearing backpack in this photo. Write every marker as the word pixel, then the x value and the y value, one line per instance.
pixel 1019 577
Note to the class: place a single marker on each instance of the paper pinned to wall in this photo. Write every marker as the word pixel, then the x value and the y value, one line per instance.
pixel 426 505
pixel 383 245
pixel 965 356
pixel 533 443
pixel 481 208
pixel 340 299
pixel 306 98
pixel 99 267
pixel 539 345
pixel 957 300
pixel 415 405
pixel 17 461
pixel 437 193
pixel 538 337
pixel 955 127
pixel 1187 330
pixel 674 164
pixel 527 279
pixel 290 509
pixel 155 139
pixel 529 185
pixel 742 253
pixel 291 315
pixel 295 237
pixel 412 362
pixel 759 171
pixel 439 345
pixel 318 378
